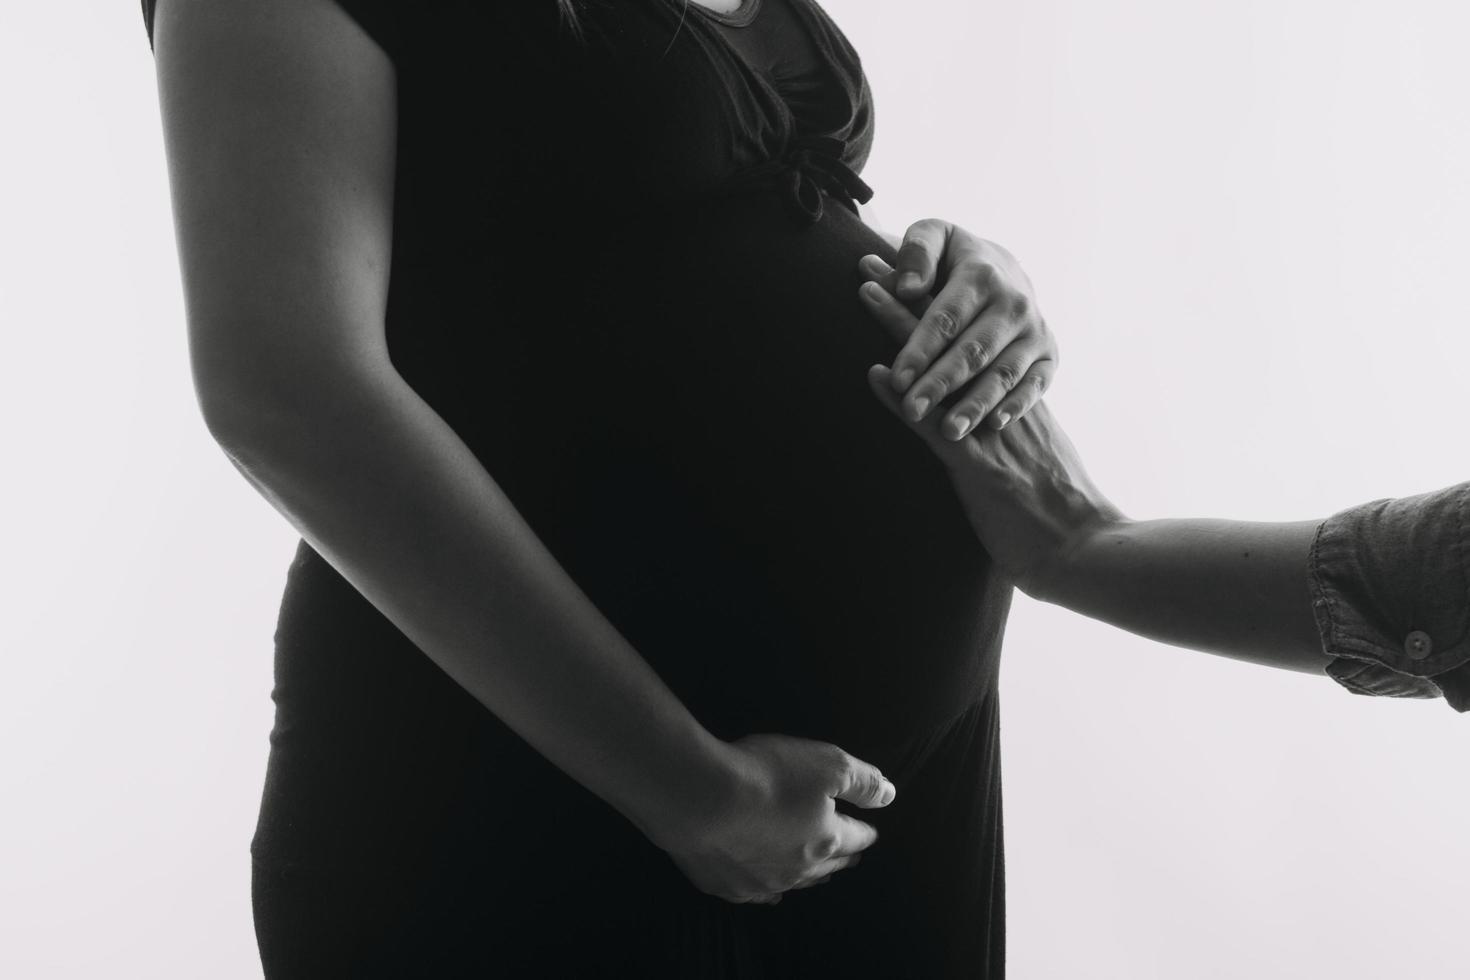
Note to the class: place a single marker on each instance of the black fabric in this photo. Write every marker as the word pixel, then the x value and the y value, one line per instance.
pixel 624 270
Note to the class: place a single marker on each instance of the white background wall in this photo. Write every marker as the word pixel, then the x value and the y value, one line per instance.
pixel 1247 223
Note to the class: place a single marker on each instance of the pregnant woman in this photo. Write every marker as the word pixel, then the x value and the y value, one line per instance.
pixel 541 330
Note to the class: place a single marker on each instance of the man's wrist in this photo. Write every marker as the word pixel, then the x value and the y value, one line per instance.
pixel 1059 572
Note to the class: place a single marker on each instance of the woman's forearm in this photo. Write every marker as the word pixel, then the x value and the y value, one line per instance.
pixel 388 494
pixel 1235 588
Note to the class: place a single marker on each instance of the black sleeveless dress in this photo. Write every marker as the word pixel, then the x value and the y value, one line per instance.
pixel 624 270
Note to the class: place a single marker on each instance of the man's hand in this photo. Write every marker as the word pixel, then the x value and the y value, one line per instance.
pixel 1024 490
pixel 981 334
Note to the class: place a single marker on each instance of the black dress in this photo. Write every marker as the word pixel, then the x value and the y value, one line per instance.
pixel 624 270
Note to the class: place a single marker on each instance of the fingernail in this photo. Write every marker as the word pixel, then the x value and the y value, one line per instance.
pixel 909 281
pixel 889 792
pixel 872 292
pixel 921 405
pixel 958 426
pixel 1001 420
pixel 905 378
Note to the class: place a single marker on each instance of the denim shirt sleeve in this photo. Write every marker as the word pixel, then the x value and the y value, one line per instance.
pixel 1391 594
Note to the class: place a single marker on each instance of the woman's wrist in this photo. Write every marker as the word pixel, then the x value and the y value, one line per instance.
pixel 689 793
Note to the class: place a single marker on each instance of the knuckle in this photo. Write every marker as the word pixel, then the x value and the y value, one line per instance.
pixel 837 757
pixel 1020 305
pixel 827 846
pixel 1043 332
pixel 985 275
pixel 974 407
pixel 1006 374
pixel 969 267
pixel 1038 381
pixel 936 387
pixel 974 354
pixel 945 322
pixel 838 765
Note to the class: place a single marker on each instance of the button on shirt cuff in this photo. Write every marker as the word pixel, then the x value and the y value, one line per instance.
pixel 1391 595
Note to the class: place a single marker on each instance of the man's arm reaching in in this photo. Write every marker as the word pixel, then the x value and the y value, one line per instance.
pixel 1370 596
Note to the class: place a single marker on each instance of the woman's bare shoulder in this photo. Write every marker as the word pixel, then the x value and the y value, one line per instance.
pixel 279 121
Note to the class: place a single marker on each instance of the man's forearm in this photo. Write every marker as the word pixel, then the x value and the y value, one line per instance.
pixel 1235 588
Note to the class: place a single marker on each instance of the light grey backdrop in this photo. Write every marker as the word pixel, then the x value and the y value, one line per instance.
pixel 1247 224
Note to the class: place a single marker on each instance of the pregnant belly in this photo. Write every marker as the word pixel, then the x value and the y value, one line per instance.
pixel 717 477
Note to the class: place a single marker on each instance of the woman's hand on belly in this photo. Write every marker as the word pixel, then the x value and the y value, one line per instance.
pixel 982 333
pixel 781 829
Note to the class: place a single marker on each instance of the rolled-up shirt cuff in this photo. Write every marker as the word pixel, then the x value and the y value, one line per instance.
pixel 1391 596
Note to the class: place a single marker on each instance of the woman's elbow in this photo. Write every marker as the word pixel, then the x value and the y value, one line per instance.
pixel 254 398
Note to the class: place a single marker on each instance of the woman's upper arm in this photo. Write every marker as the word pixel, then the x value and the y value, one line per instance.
pixel 279 121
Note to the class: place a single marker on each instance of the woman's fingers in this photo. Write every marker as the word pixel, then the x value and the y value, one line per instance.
pixel 819 874
pixel 896 316
pixel 784 827
pixel 824 871
pixel 770 899
pixel 848 855
pixel 852 837
pixel 861 783
pixel 892 315
pixel 830 867
pixel 874 269
pixel 812 881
